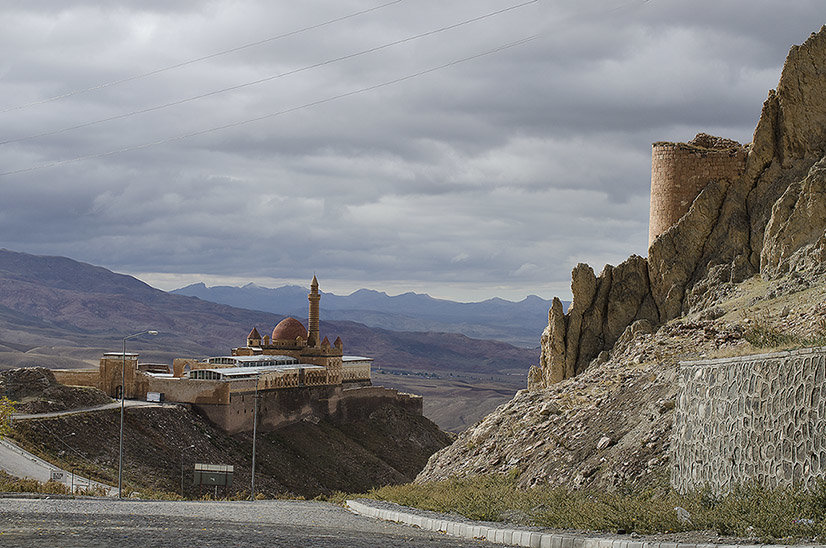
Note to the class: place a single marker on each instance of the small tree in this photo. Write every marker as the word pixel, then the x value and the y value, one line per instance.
pixel 6 410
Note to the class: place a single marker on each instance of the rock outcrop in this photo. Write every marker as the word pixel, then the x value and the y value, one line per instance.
pixel 771 220
pixel 795 237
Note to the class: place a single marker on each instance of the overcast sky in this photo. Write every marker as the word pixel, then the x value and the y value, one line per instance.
pixel 418 146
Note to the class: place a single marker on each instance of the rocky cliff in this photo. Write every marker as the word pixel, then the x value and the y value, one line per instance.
pixel 599 411
pixel 771 220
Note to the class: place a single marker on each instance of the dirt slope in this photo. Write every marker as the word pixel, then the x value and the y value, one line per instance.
pixel 389 446
pixel 611 425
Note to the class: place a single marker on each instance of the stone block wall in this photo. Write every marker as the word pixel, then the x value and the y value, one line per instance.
pixel 752 418
pixel 679 171
pixel 78 377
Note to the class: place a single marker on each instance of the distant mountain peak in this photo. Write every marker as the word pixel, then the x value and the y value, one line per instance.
pixel 199 285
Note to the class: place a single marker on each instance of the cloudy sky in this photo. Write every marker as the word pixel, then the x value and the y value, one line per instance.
pixel 466 149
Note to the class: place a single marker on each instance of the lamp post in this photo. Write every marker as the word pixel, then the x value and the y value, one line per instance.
pixel 122 399
pixel 254 431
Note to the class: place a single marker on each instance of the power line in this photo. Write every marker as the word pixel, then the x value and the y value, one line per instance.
pixel 274 114
pixel 271 78
pixel 304 106
pixel 199 59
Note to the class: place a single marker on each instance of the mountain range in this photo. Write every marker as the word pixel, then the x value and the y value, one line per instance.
pixel 49 301
pixel 60 313
pixel 518 323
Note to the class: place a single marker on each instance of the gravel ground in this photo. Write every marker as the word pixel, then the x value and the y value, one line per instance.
pixel 145 524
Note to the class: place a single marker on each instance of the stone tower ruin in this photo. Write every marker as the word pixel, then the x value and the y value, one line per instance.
pixel 680 171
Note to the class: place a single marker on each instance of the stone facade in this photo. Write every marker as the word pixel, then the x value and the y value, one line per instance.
pixel 680 171
pixel 278 408
pixel 752 418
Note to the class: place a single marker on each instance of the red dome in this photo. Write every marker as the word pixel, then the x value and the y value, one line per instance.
pixel 289 329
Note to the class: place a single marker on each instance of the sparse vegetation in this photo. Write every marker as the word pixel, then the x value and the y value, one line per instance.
pixel 10 484
pixel 763 335
pixel 6 412
pixel 750 511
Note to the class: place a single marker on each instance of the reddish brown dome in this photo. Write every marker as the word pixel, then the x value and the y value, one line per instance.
pixel 288 329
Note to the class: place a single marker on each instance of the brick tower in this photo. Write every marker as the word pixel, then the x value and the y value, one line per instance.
pixel 680 171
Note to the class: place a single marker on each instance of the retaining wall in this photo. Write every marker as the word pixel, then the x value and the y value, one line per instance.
pixel 760 417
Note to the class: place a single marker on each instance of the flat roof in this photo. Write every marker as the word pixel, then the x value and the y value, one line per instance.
pixel 355 358
pixel 257 358
pixel 247 371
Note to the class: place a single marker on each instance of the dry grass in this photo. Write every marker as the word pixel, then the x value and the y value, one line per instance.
pixel 750 511
pixel 10 484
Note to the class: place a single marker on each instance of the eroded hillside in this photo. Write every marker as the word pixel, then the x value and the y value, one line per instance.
pixel 307 458
pixel 611 425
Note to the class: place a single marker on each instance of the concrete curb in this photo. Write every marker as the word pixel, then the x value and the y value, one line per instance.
pixel 530 539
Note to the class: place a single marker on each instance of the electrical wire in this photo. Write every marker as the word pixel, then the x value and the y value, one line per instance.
pixel 304 106
pixel 273 77
pixel 199 59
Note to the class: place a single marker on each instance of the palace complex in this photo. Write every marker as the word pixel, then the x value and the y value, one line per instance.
pixel 294 373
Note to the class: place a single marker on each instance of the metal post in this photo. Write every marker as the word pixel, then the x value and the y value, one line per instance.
pixel 73 481
pixel 254 431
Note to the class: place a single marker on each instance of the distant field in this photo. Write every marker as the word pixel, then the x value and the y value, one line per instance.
pixel 455 402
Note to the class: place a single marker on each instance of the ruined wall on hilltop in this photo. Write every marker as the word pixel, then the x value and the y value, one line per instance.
pixel 759 209
pixel 751 418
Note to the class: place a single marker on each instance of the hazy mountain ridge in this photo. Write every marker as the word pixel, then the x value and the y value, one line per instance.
pixel 518 323
pixel 47 301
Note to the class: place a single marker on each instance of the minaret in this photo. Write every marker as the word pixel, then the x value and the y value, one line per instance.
pixel 314 297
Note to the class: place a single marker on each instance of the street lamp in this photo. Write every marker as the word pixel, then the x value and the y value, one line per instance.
pixel 254 431
pixel 122 399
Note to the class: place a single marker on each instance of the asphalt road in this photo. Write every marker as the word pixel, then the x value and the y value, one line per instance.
pixel 22 464
pixel 105 522
pixel 101 407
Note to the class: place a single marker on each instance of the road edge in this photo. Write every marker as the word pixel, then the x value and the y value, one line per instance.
pixel 522 537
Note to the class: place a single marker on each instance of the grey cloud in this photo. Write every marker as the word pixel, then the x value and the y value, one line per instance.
pixel 503 171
